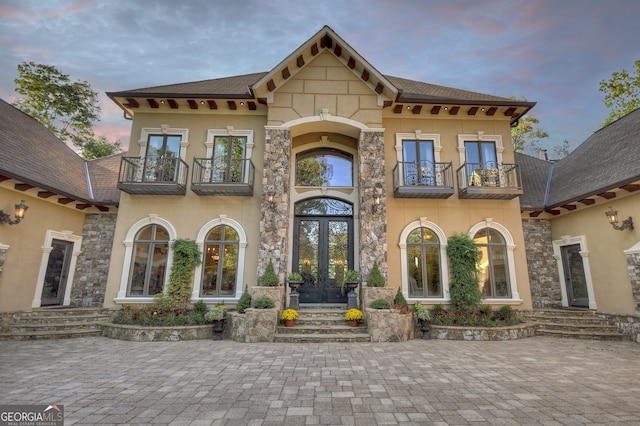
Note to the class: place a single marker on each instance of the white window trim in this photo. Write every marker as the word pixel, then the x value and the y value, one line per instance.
pixel 444 268
pixel 417 136
pixel 242 248
pixel 46 250
pixel 584 252
pixel 164 130
pixel 229 131
pixel 128 254
pixel 511 264
pixel 477 137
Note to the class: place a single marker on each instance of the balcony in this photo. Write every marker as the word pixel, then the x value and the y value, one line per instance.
pixel 223 177
pixel 422 180
pixel 489 181
pixel 153 175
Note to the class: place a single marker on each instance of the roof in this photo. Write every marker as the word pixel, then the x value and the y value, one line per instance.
pixel 32 154
pixel 608 159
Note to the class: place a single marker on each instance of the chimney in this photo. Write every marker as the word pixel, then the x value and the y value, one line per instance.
pixel 542 154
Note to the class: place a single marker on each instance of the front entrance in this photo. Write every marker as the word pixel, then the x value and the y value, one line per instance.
pixel 574 276
pixel 55 280
pixel 323 248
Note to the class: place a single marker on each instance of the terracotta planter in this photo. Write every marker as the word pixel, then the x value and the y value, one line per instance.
pixel 354 323
pixel 289 323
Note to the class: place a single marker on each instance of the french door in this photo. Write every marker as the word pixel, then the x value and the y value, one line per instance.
pixel 323 249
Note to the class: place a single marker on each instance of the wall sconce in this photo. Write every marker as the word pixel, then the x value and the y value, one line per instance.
pixel 271 197
pixel 612 216
pixel 376 200
pixel 20 209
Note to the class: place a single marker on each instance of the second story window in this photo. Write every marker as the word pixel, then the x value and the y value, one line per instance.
pixel 161 160
pixel 229 153
pixel 418 159
pixel 482 164
pixel 324 167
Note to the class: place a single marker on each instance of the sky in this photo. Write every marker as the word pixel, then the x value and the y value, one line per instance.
pixel 553 52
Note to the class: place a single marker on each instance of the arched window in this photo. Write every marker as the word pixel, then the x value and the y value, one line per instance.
pixel 423 263
pixel 493 265
pixel 149 261
pixel 324 167
pixel 220 265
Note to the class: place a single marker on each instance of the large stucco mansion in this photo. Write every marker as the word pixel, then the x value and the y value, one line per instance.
pixel 319 165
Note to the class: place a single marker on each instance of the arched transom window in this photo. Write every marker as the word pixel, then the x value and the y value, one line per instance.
pixel 220 264
pixel 149 261
pixel 324 167
pixel 493 264
pixel 423 262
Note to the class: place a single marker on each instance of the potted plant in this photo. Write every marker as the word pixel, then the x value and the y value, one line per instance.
pixel 351 279
pixel 269 278
pixel 289 316
pixel 295 280
pixel 216 315
pixel 424 319
pixel 354 316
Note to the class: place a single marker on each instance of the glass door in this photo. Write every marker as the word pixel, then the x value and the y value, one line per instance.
pixel 55 280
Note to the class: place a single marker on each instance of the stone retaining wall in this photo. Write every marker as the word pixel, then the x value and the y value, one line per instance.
pixel 158 334
pixel 274 293
pixel 369 294
pixel 627 324
pixel 389 325
pixel 514 332
pixel 254 326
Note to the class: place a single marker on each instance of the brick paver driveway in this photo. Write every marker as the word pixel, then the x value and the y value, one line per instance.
pixel 536 381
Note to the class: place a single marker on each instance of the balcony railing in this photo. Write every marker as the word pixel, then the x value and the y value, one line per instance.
pixel 153 175
pixel 489 181
pixel 422 179
pixel 223 177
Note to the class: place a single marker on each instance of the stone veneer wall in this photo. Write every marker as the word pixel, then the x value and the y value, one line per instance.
pixel 3 255
pixel 389 325
pixel 542 266
pixel 254 326
pixel 92 267
pixel 633 263
pixel 372 182
pixel 274 217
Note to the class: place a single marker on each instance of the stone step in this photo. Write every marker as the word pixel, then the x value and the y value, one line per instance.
pixel 322 338
pixel 582 335
pixel 342 328
pixel 572 312
pixel 585 328
pixel 322 313
pixel 44 327
pixel 51 334
pixel 321 321
pixel 565 319
pixel 60 319
pixel 56 312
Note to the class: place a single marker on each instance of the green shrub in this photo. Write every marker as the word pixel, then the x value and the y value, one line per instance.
pixel 381 304
pixel 186 257
pixel 200 307
pixel 464 287
pixel 269 278
pixel 399 300
pixel 375 277
pixel 264 302
pixel 244 302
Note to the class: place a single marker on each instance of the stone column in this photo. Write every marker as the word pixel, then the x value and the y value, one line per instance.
pixel 633 264
pixel 373 211
pixel 541 265
pixel 274 215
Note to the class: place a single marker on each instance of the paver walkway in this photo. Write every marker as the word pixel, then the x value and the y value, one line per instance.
pixel 536 381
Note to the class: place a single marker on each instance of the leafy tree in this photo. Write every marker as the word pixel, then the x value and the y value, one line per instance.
pixel 562 151
pixel 621 93
pixel 68 109
pixel 526 135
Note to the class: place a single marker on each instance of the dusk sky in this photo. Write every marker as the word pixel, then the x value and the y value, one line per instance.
pixel 553 52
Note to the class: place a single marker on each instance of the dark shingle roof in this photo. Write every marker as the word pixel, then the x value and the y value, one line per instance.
pixel 34 155
pixel 535 175
pixel 103 175
pixel 608 159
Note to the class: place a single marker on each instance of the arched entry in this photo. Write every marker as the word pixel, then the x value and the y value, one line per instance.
pixel 323 248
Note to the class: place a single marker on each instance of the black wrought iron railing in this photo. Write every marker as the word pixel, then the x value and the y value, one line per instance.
pixel 223 171
pixel 423 173
pixel 153 170
pixel 489 175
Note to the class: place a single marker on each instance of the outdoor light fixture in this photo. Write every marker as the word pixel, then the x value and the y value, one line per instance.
pixel 612 216
pixel 271 197
pixel 376 200
pixel 20 209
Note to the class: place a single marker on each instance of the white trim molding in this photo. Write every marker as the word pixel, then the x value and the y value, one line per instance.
pixel 128 254
pixel 444 268
pixel 242 248
pixel 476 137
pixel 47 247
pixel 567 240
pixel 164 130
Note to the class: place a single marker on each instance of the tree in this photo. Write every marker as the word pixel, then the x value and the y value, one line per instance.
pixel 67 109
pixel 621 93
pixel 526 135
